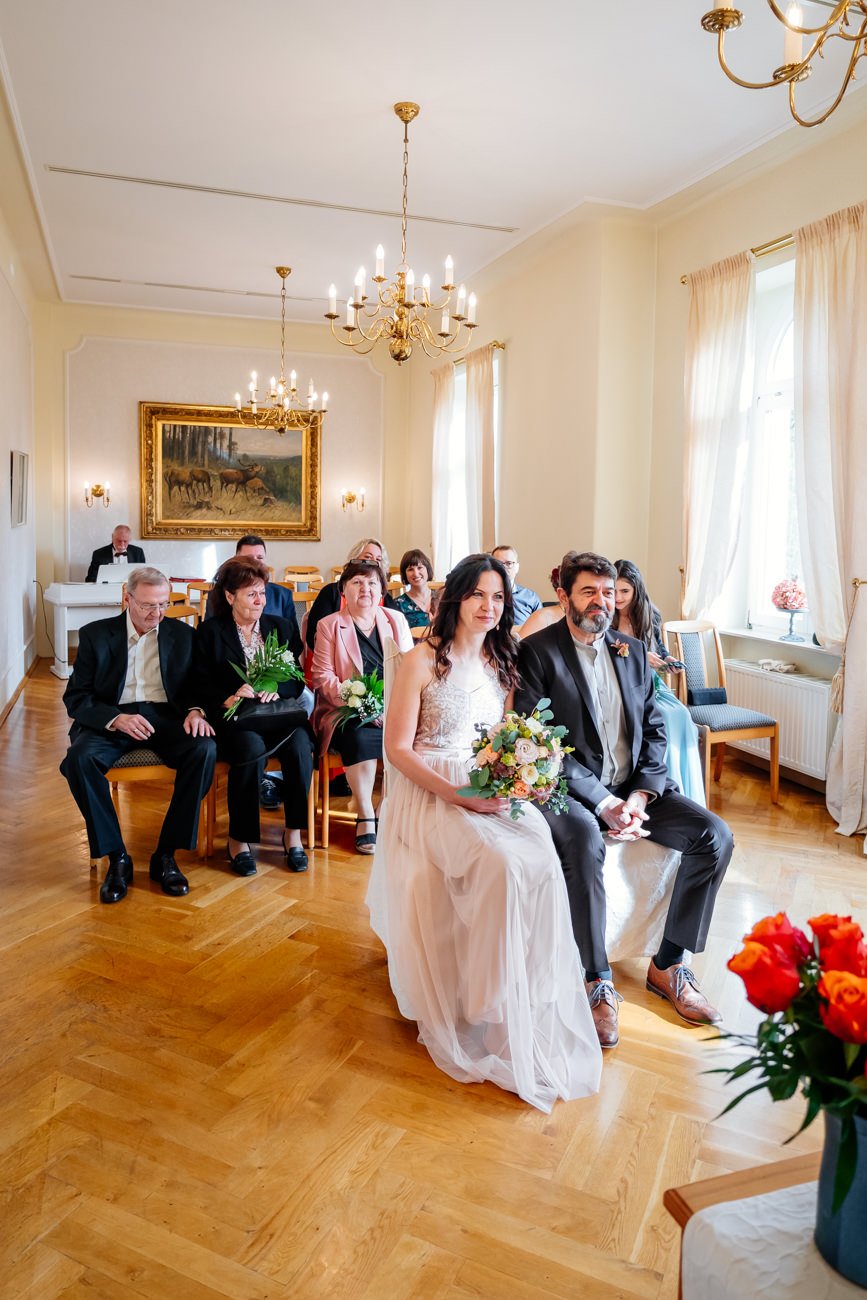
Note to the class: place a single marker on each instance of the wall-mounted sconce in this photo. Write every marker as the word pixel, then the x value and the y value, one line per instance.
pixel 350 498
pixel 97 490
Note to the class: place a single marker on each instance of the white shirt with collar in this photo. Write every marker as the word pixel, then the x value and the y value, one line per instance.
pixel 594 662
pixel 144 678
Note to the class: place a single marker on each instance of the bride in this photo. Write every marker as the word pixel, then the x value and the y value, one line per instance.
pixel 470 905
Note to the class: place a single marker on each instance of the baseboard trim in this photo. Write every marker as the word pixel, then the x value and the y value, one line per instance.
pixel 10 703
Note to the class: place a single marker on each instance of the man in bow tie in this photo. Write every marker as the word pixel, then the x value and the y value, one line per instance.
pixel 119 552
pixel 601 688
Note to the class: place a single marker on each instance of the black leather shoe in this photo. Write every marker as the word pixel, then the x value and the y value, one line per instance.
pixel 166 872
pixel 296 859
pixel 243 864
pixel 270 794
pixel 117 878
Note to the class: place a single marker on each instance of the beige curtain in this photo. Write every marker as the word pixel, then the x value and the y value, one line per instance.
pixel 718 392
pixel 831 442
pixel 444 400
pixel 481 467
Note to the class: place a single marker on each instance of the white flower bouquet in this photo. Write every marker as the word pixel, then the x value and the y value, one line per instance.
pixel 362 698
pixel 271 664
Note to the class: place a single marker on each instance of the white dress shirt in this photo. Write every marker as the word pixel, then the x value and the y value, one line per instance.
pixel 598 672
pixel 144 678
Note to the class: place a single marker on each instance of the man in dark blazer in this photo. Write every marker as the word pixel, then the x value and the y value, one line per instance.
pixel 119 550
pixel 601 688
pixel 130 689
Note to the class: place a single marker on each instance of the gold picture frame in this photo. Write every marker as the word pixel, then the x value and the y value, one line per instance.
pixel 206 472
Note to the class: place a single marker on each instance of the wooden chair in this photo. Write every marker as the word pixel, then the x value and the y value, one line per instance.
pixel 209 805
pixel 144 765
pixel 327 763
pixel 202 588
pixel 688 640
pixel 189 613
pixel 302 573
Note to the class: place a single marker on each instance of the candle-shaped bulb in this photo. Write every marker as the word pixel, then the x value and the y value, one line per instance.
pixel 450 270
pixel 310 389
pixel 273 385
pixel 793 50
pixel 462 301
pixel 410 286
pixel 86 486
pixel 253 376
pixel 238 401
pixel 471 309
pixel 324 401
pixel 332 299
pixel 350 314
pixel 425 289
pixel 444 323
pixel 380 260
pixel 293 381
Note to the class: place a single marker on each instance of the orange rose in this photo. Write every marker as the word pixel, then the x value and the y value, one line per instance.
pixel 842 947
pixel 771 978
pixel 778 932
pixel 846 1012
pixel 520 790
pixel 822 925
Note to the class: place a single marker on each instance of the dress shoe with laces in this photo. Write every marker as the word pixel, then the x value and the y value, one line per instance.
pixel 166 872
pixel 243 863
pixel 603 997
pixel 117 879
pixel 678 986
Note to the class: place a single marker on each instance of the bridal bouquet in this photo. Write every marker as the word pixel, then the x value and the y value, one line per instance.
pixel 362 698
pixel 789 595
pixel 520 759
pixel 271 664
pixel 814 1035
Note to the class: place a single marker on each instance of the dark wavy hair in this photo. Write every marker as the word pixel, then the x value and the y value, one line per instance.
pixel 232 575
pixel 574 563
pixel 355 567
pixel 412 557
pixel 640 609
pixel 500 647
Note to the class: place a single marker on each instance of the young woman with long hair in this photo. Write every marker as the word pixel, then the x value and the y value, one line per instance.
pixel 471 905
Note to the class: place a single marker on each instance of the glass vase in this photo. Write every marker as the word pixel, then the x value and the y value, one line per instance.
pixel 841 1238
pixel 791 635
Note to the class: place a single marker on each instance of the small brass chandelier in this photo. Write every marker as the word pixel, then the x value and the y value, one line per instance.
pixel 404 314
pixel 283 408
pixel 846 22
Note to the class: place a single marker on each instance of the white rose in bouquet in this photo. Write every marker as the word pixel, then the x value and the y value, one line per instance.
pixel 354 702
pixel 357 688
pixel 525 751
pixel 529 773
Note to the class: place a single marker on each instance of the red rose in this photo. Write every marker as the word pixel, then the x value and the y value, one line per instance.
pixel 843 948
pixel 846 1012
pixel 771 978
pixel 778 931
pixel 822 925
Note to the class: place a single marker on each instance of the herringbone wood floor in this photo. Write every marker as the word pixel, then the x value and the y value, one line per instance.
pixel 215 1096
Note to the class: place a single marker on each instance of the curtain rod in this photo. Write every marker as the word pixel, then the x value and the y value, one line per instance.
pixel 496 344
pixel 763 250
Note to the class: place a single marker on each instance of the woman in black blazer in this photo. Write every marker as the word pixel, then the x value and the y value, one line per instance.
pixel 231 636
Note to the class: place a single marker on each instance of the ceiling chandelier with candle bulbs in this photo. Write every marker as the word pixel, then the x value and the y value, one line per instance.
pixel 403 312
pixel 846 23
pixel 280 408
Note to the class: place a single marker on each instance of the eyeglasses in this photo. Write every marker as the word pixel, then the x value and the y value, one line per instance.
pixel 509 564
pixel 150 607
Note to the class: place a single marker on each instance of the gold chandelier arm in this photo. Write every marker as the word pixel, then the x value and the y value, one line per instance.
pixel 797 68
pixel 850 72
pixel 432 345
pixel 839 12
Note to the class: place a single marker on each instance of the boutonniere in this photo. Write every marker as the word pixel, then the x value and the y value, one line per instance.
pixel 620 648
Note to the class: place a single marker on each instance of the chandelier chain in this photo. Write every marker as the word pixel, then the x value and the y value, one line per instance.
pixel 405 185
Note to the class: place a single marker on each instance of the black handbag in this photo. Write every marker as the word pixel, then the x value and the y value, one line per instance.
pixel 268 716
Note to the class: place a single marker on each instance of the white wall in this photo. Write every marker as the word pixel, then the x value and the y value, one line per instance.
pixel 17 545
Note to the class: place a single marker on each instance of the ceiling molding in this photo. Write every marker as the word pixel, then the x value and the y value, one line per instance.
pixel 193 288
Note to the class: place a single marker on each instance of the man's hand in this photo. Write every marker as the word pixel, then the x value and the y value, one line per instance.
pixel 196 724
pixel 624 818
pixel 134 725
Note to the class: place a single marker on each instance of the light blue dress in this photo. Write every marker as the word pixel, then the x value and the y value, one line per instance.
pixel 681 751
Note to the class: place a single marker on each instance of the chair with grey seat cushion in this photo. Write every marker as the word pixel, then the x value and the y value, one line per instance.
pixel 142 765
pixel 691 641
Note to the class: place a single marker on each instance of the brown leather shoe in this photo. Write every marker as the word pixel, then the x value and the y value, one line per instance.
pixel 603 998
pixel 679 987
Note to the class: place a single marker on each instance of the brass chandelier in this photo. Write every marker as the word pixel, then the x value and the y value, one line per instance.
pixel 846 22
pixel 404 313
pixel 282 409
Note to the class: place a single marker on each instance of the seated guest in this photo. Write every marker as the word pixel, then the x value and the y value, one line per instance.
pixel 119 551
pixel 237 629
pixel 545 616
pixel 418 604
pixel 348 644
pixel 131 688
pixel 327 602
pixel 636 616
pixel 525 601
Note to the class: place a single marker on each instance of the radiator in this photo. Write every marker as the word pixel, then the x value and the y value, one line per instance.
pixel 799 704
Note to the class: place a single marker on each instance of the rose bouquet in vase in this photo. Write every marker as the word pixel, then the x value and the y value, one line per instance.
pixel 790 597
pixel 520 759
pixel 814 1038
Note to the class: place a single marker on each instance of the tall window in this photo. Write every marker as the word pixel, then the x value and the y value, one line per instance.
pixel 461 503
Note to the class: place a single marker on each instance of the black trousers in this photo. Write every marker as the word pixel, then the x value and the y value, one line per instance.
pixel 246 752
pixel 92 753
pixel 703 840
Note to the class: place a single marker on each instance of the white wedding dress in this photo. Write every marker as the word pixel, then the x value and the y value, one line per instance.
pixel 474 915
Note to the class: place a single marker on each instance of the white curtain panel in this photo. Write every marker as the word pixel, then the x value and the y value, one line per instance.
pixel 718 391
pixel 481 469
pixel 444 401
pixel 831 449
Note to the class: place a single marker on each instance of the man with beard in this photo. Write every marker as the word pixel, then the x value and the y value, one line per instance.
pixel 601 688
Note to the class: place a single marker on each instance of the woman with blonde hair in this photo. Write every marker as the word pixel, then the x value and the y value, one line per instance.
pixel 369 550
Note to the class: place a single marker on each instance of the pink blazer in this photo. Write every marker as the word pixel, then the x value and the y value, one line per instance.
pixel 337 655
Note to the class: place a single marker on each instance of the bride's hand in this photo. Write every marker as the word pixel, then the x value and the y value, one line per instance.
pixel 483 805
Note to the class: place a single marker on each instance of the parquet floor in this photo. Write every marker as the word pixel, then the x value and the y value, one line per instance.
pixel 216 1097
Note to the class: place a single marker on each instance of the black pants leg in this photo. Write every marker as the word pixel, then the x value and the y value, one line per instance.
pixel 85 764
pixel 296 763
pixel 705 843
pixel 581 848
pixel 245 752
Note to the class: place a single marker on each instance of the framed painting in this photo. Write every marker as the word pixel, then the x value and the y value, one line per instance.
pixel 207 472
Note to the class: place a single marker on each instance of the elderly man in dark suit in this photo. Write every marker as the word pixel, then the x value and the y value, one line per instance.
pixel 130 688
pixel 601 688
pixel 118 552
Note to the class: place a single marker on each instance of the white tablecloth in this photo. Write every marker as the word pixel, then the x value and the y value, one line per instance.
pixel 760 1247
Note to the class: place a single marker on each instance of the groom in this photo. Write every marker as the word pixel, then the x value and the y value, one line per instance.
pixel 601 688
